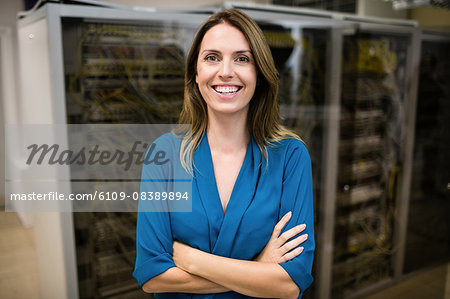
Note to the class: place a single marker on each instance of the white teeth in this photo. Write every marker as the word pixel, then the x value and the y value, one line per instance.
pixel 226 89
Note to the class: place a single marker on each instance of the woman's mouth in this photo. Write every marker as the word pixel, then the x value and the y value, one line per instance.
pixel 226 89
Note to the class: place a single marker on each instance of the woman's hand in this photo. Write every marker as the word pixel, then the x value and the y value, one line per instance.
pixel 251 278
pixel 278 249
pixel 182 255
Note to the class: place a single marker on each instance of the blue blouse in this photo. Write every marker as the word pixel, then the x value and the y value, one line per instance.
pixel 260 197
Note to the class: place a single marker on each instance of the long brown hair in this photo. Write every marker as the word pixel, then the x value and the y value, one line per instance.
pixel 263 120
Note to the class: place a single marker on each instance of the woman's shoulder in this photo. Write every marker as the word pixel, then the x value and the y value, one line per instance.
pixel 168 139
pixel 289 156
pixel 167 144
pixel 289 145
pixel 288 151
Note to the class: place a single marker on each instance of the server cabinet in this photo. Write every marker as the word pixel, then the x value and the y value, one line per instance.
pixel 372 125
pixel 120 72
pixel 85 64
pixel 428 231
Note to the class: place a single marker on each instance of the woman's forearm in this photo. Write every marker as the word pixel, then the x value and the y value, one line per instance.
pixel 252 278
pixel 180 281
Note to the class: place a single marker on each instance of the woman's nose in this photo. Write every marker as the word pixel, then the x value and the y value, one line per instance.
pixel 226 69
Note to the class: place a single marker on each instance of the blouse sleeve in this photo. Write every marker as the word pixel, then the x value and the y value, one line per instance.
pixel 297 196
pixel 153 229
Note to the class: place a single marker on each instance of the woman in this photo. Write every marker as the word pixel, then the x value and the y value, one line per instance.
pixel 251 180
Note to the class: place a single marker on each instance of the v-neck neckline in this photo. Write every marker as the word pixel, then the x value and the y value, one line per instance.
pixel 224 225
pixel 238 178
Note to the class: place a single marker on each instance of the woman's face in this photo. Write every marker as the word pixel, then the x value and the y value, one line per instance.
pixel 226 71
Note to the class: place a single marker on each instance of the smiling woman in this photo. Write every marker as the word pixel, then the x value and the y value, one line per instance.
pixel 251 188
pixel 226 72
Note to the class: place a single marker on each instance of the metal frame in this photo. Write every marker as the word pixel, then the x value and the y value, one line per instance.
pixel 408 142
pixel 427 35
pixel 316 13
pixel 49 227
pixel 330 154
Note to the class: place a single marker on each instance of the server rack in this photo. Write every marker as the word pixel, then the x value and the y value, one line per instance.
pixel 128 72
pixel 427 235
pixel 87 64
pixel 373 102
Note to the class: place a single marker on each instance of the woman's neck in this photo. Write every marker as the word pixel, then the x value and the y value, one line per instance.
pixel 227 134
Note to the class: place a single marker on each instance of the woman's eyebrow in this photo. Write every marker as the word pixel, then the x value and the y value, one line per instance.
pixel 217 51
pixel 210 50
pixel 243 51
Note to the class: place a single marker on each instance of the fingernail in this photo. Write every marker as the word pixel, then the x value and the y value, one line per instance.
pixel 302 226
pixel 306 236
pixel 301 248
pixel 289 213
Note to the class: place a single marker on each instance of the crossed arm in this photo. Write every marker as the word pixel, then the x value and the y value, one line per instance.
pixel 201 272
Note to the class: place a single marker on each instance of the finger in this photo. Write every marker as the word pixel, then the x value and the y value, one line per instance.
pixel 279 226
pixel 291 254
pixel 294 243
pixel 287 235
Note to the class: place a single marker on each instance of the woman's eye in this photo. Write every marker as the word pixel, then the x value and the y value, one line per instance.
pixel 243 59
pixel 211 58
